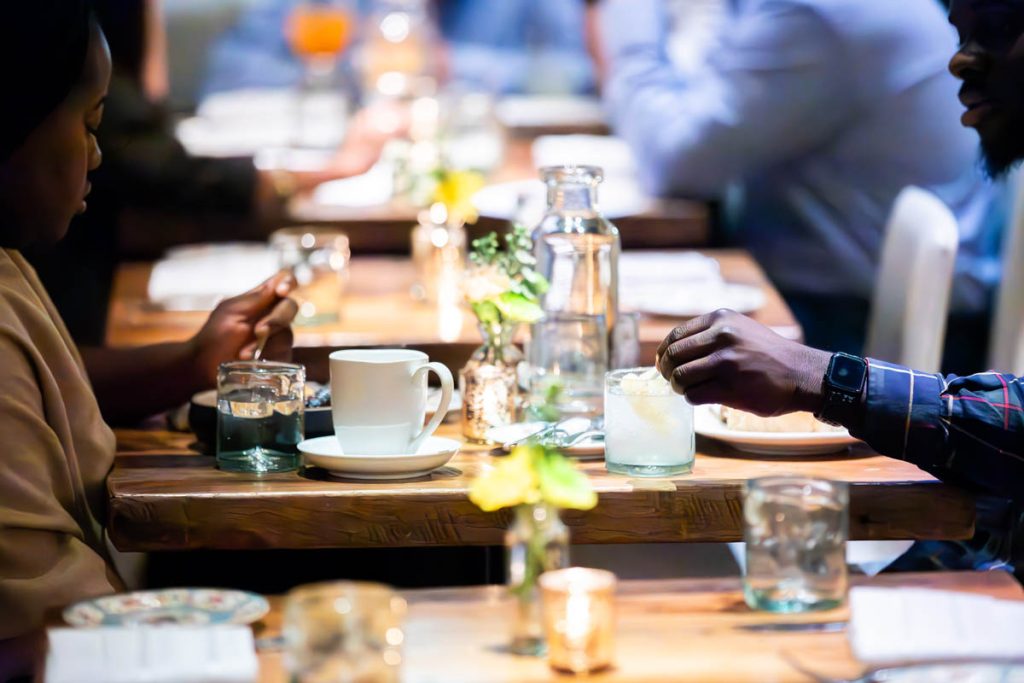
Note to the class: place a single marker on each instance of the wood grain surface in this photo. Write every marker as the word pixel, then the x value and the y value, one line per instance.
pixel 686 630
pixel 378 310
pixel 163 496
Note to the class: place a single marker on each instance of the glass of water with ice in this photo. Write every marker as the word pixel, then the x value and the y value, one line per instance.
pixel 648 429
pixel 796 530
pixel 259 416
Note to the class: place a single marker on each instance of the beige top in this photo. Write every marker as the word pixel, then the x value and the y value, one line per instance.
pixel 54 460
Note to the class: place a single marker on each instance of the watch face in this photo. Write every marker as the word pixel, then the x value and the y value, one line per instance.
pixel 848 372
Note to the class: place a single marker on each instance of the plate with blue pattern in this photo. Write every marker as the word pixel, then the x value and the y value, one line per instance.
pixel 179 606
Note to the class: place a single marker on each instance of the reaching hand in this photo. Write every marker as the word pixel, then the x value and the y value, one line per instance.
pixel 724 357
pixel 236 327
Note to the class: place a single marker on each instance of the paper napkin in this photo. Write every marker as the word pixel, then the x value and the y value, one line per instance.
pixel 196 278
pixel 901 624
pixel 155 654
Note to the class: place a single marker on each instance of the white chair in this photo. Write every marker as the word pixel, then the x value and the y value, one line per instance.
pixel 1006 346
pixel 908 315
pixel 915 275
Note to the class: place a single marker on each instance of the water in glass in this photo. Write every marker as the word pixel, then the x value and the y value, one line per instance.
pixel 795 531
pixel 577 250
pixel 260 409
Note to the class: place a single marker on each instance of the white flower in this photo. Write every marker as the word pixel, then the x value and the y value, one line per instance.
pixel 485 282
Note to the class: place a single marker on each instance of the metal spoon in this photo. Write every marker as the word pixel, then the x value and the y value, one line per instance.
pixel 257 355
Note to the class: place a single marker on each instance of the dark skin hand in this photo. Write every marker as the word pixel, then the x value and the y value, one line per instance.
pixel 724 357
pixel 173 372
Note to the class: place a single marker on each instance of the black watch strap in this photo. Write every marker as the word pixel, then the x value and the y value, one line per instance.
pixel 842 387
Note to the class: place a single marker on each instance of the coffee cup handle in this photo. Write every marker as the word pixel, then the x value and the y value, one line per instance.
pixel 447 389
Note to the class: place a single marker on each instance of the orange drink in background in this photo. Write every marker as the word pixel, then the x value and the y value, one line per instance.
pixel 319 31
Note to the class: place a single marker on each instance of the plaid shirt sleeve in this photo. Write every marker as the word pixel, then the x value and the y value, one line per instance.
pixel 969 429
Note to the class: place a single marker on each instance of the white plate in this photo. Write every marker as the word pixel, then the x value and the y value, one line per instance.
pixel 691 301
pixel 192 606
pixel 611 154
pixel 326 453
pixel 521 430
pixel 707 423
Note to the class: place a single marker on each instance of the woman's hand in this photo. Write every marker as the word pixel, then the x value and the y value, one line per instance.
pixel 724 357
pixel 238 325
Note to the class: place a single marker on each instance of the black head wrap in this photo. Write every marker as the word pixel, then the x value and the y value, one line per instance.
pixel 43 45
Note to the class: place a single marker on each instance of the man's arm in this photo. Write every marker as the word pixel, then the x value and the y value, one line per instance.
pixel 967 429
pixel 772 90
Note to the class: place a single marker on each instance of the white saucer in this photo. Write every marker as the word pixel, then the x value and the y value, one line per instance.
pixel 325 452
pixel 707 423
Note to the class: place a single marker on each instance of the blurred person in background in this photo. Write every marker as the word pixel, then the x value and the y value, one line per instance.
pixel 807 118
pixel 150 194
pixel 511 46
pixel 56 401
pixel 967 430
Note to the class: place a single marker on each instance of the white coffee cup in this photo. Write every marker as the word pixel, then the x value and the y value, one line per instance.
pixel 379 400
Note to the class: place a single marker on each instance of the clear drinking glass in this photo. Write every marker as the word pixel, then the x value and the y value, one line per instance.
pixel 648 428
pixel 259 416
pixel 796 530
pixel 568 359
pixel 344 631
pixel 319 259
pixel 318 32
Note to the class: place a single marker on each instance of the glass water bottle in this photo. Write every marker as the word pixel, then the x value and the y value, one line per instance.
pixel 577 250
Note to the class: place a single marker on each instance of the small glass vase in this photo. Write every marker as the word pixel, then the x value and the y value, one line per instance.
pixel 489 383
pixel 536 542
pixel 438 256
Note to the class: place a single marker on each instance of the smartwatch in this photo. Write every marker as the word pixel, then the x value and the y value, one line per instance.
pixel 842 387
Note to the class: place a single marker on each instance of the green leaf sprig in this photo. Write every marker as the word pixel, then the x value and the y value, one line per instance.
pixel 522 286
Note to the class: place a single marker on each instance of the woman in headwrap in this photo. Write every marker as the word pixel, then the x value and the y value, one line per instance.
pixel 57 451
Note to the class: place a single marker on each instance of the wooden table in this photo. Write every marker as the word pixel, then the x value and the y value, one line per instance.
pixel 164 496
pixel 378 310
pixel 679 630
pixel 666 223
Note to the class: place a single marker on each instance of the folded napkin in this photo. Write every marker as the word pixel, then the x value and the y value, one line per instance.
pixel 373 188
pixel 667 269
pixel 537 111
pixel 196 278
pixel 611 154
pixel 155 654
pixel 913 624
pixel 244 122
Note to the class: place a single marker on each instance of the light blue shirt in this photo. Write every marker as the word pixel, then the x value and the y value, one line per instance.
pixel 820 112
pixel 498 46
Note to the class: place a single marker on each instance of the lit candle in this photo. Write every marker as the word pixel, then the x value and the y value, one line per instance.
pixel 579 616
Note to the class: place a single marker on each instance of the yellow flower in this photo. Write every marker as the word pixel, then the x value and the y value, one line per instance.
pixel 456 190
pixel 512 482
pixel 532 474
